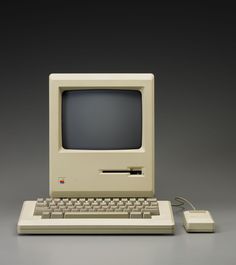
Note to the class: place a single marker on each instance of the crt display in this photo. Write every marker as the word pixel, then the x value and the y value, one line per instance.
pixel 101 119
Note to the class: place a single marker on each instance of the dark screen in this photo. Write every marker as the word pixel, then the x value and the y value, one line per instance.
pixel 101 119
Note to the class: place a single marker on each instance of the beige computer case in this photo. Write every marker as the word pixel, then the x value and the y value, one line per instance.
pixel 79 173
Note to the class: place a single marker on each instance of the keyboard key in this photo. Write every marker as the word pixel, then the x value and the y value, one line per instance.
pixel 141 200
pixel 132 200
pixel 45 215
pixel 135 215
pixel 56 215
pixel 154 203
pixel 151 199
pixel 57 210
pixel 118 210
pixel 40 210
pixel 152 209
pixel 97 215
pixel 147 215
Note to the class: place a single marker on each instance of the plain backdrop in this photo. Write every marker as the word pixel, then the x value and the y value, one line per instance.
pixel 190 49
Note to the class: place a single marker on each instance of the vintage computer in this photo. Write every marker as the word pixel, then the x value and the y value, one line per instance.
pixel 101 161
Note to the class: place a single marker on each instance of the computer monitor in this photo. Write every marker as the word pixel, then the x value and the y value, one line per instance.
pixel 101 135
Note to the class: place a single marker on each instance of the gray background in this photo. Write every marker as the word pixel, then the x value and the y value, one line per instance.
pixel 191 50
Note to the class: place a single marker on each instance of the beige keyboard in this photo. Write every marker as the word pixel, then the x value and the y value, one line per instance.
pixel 96 208
pixel 96 216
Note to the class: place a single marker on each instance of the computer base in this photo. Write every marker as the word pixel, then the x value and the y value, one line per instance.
pixel 159 224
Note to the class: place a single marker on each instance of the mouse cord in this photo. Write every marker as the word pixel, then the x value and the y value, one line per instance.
pixel 181 201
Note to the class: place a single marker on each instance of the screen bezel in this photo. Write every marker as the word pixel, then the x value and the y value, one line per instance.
pixel 64 89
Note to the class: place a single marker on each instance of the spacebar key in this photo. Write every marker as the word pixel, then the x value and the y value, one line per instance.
pixel 96 215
